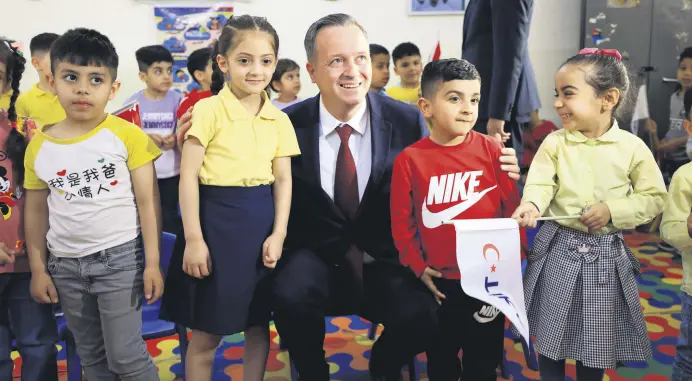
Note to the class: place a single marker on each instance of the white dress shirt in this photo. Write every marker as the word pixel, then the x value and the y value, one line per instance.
pixel 360 144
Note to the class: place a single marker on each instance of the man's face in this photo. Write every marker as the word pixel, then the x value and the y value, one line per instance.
pixel 341 65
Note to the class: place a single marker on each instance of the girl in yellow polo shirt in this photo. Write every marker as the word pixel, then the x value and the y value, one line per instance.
pixel 580 285
pixel 235 196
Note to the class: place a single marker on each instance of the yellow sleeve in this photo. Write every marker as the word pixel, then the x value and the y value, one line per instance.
pixel 288 143
pixel 648 195
pixel 22 105
pixel 203 121
pixel 677 209
pixel 31 179
pixel 541 184
pixel 140 148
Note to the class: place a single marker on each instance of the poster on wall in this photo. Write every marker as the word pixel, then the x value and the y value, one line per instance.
pixel 184 29
pixel 623 3
pixel 436 7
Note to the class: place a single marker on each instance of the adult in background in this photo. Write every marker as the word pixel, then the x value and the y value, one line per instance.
pixel 339 256
pixel 496 36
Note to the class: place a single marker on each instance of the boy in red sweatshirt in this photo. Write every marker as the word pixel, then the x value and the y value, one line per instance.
pixel 452 174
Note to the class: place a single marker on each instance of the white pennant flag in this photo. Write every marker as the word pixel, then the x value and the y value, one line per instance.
pixel 489 258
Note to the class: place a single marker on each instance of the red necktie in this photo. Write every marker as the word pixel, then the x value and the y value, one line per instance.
pixel 346 192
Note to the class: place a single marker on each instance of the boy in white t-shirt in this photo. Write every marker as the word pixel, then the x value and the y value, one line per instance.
pixel 90 181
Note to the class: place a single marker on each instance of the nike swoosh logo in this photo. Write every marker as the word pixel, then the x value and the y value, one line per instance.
pixel 482 319
pixel 432 220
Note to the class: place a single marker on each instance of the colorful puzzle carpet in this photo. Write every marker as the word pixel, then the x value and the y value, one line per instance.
pixel 348 347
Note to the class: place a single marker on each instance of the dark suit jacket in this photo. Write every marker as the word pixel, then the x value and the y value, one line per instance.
pixel 316 223
pixel 495 41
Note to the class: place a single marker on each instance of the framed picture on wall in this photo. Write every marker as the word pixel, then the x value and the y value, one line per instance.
pixel 436 7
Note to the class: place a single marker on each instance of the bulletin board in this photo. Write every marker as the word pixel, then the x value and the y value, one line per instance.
pixel 184 29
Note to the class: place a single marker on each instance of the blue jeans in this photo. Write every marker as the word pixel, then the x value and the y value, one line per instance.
pixel 101 296
pixel 682 367
pixel 33 326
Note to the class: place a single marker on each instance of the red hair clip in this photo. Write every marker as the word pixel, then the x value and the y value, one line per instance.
pixel 605 52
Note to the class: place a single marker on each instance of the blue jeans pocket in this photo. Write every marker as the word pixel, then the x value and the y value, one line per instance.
pixel 53 264
pixel 126 257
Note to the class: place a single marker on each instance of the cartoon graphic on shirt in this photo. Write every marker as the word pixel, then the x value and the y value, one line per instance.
pixel 455 187
pixel 7 197
pixel 87 182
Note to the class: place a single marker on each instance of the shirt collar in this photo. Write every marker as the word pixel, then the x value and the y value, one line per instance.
pixel 39 92
pixel 329 123
pixel 610 136
pixel 237 111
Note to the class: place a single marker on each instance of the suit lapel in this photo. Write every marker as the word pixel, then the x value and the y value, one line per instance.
pixel 309 143
pixel 381 131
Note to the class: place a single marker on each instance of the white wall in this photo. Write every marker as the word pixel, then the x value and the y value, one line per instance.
pixel 129 24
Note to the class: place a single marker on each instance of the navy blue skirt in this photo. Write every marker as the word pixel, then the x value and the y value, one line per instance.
pixel 235 223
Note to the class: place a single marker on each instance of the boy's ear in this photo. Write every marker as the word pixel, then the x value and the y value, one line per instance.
pixel 114 90
pixel 199 76
pixel 688 126
pixel 51 82
pixel 396 71
pixel 425 107
pixel 142 76
pixel 35 61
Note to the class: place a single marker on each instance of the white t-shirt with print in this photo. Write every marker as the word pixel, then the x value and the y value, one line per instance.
pixel 91 205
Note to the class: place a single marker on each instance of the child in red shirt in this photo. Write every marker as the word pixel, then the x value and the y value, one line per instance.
pixel 533 137
pixel 452 174
pixel 199 67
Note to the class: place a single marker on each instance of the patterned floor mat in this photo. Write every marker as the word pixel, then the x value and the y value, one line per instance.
pixel 348 347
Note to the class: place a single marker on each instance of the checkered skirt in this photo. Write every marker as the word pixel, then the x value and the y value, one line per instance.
pixel 582 300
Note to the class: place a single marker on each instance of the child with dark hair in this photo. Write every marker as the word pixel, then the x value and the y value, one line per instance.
pixel 676 229
pixel 536 131
pixel 379 56
pixel 31 323
pixel 408 66
pixel 286 82
pixel 40 102
pixel 451 94
pixel 92 213
pixel 673 144
pixel 199 67
pixel 158 106
pixel 580 284
pixel 235 197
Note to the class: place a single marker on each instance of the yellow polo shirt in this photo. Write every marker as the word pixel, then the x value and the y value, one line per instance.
pixel 5 100
pixel 407 95
pixel 674 222
pixel 239 146
pixel 571 171
pixel 41 106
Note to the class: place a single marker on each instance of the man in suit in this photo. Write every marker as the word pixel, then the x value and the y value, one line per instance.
pixel 495 41
pixel 339 256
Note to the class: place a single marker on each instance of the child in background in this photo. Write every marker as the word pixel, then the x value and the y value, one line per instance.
pixel 580 284
pixel 451 93
pixel 674 144
pixel 408 66
pixel 676 229
pixel 40 103
pixel 379 55
pixel 538 130
pixel 286 82
pixel 235 197
pixel 31 323
pixel 90 183
pixel 158 105
pixel 199 67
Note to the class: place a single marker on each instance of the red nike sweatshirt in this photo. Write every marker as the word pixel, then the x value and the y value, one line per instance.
pixel 432 184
